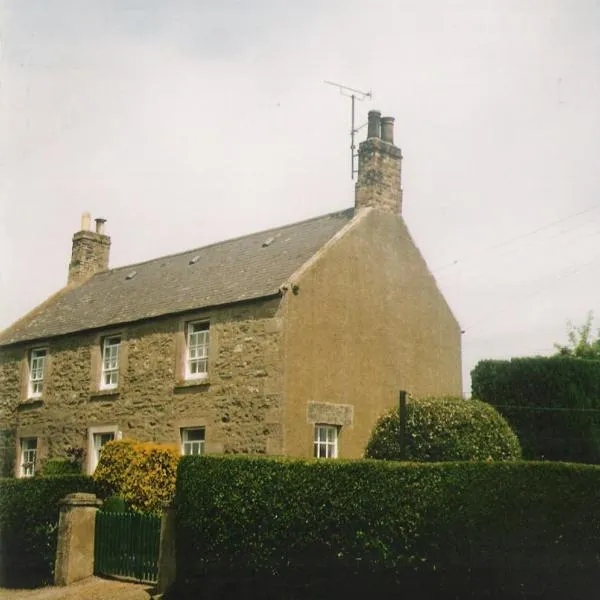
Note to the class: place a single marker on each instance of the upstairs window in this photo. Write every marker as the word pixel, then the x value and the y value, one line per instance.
pixel 326 441
pixel 196 363
pixel 192 440
pixel 37 360
pixel 28 456
pixel 109 378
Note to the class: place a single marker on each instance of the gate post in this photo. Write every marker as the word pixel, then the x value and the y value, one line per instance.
pixel 166 554
pixel 75 548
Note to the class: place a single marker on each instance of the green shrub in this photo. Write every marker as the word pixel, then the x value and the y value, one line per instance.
pixel 318 528
pixel 114 504
pixel 60 466
pixel 142 473
pixel 553 404
pixel 446 428
pixel 29 510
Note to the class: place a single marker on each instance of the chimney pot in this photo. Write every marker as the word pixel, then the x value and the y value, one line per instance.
pixel 374 127
pixel 387 129
pixel 100 225
pixel 85 221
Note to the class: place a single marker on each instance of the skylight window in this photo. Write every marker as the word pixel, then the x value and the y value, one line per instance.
pixel 194 260
pixel 131 275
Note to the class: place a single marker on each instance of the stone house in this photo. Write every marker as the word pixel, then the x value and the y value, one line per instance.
pixel 291 341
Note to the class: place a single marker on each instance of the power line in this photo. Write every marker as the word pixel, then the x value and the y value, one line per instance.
pixel 514 239
pixel 546 408
pixel 562 276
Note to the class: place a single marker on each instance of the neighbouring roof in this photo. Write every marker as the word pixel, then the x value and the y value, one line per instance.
pixel 243 268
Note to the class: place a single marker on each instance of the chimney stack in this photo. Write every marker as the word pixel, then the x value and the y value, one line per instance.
pixel 90 251
pixel 379 167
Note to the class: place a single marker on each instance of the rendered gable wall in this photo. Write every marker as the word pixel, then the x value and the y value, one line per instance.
pixel 367 321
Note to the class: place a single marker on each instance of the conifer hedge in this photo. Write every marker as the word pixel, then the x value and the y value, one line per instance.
pixel 29 511
pixel 280 528
pixel 552 403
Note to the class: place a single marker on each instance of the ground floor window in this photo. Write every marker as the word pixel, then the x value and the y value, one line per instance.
pixel 326 441
pixel 97 438
pixel 28 455
pixel 192 440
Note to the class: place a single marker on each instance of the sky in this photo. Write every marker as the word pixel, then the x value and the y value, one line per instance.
pixel 188 122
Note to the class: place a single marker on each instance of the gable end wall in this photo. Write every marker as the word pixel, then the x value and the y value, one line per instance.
pixel 367 320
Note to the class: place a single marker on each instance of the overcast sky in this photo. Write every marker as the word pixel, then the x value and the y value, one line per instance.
pixel 187 122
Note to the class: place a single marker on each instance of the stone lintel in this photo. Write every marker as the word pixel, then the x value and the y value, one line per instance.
pixel 330 413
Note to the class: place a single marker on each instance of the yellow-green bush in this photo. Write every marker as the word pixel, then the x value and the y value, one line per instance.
pixel 142 473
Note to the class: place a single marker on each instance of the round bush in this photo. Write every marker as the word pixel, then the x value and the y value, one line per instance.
pixel 447 428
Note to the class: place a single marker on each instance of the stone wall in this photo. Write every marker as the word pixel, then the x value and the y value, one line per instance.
pixel 239 404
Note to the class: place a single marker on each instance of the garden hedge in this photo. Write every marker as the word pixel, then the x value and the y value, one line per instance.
pixel 29 511
pixel 552 403
pixel 60 466
pixel 445 428
pixel 142 473
pixel 256 527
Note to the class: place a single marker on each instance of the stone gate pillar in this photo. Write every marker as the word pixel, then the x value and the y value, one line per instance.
pixel 76 528
pixel 166 557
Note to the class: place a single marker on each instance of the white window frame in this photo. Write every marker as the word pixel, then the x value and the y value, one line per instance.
pixel 28 456
pixel 109 373
pixel 94 435
pixel 37 366
pixel 325 440
pixel 192 447
pixel 197 340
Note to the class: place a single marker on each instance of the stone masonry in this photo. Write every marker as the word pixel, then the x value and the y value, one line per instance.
pixel 379 168
pixel 239 404
pixel 90 253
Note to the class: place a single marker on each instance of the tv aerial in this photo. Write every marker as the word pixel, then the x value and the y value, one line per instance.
pixel 354 95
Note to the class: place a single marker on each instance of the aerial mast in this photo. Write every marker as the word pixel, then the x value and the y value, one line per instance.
pixel 354 95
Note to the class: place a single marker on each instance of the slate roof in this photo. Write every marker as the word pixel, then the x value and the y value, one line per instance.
pixel 243 268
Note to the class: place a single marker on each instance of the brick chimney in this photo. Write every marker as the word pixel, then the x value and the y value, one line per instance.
pixel 90 251
pixel 379 167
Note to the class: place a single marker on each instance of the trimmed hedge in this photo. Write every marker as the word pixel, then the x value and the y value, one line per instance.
pixel 142 473
pixel 60 466
pixel 447 428
pixel 552 403
pixel 29 511
pixel 255 527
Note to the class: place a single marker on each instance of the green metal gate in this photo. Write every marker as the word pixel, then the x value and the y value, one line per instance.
pixel 126 544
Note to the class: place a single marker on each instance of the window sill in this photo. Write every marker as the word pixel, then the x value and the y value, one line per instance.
pixel 31 402
pixel 187 384
pixel 108 394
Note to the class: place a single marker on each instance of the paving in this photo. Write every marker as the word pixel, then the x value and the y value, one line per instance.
pixel 92 588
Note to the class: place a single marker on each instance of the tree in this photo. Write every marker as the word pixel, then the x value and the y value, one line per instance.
pixel 582 342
